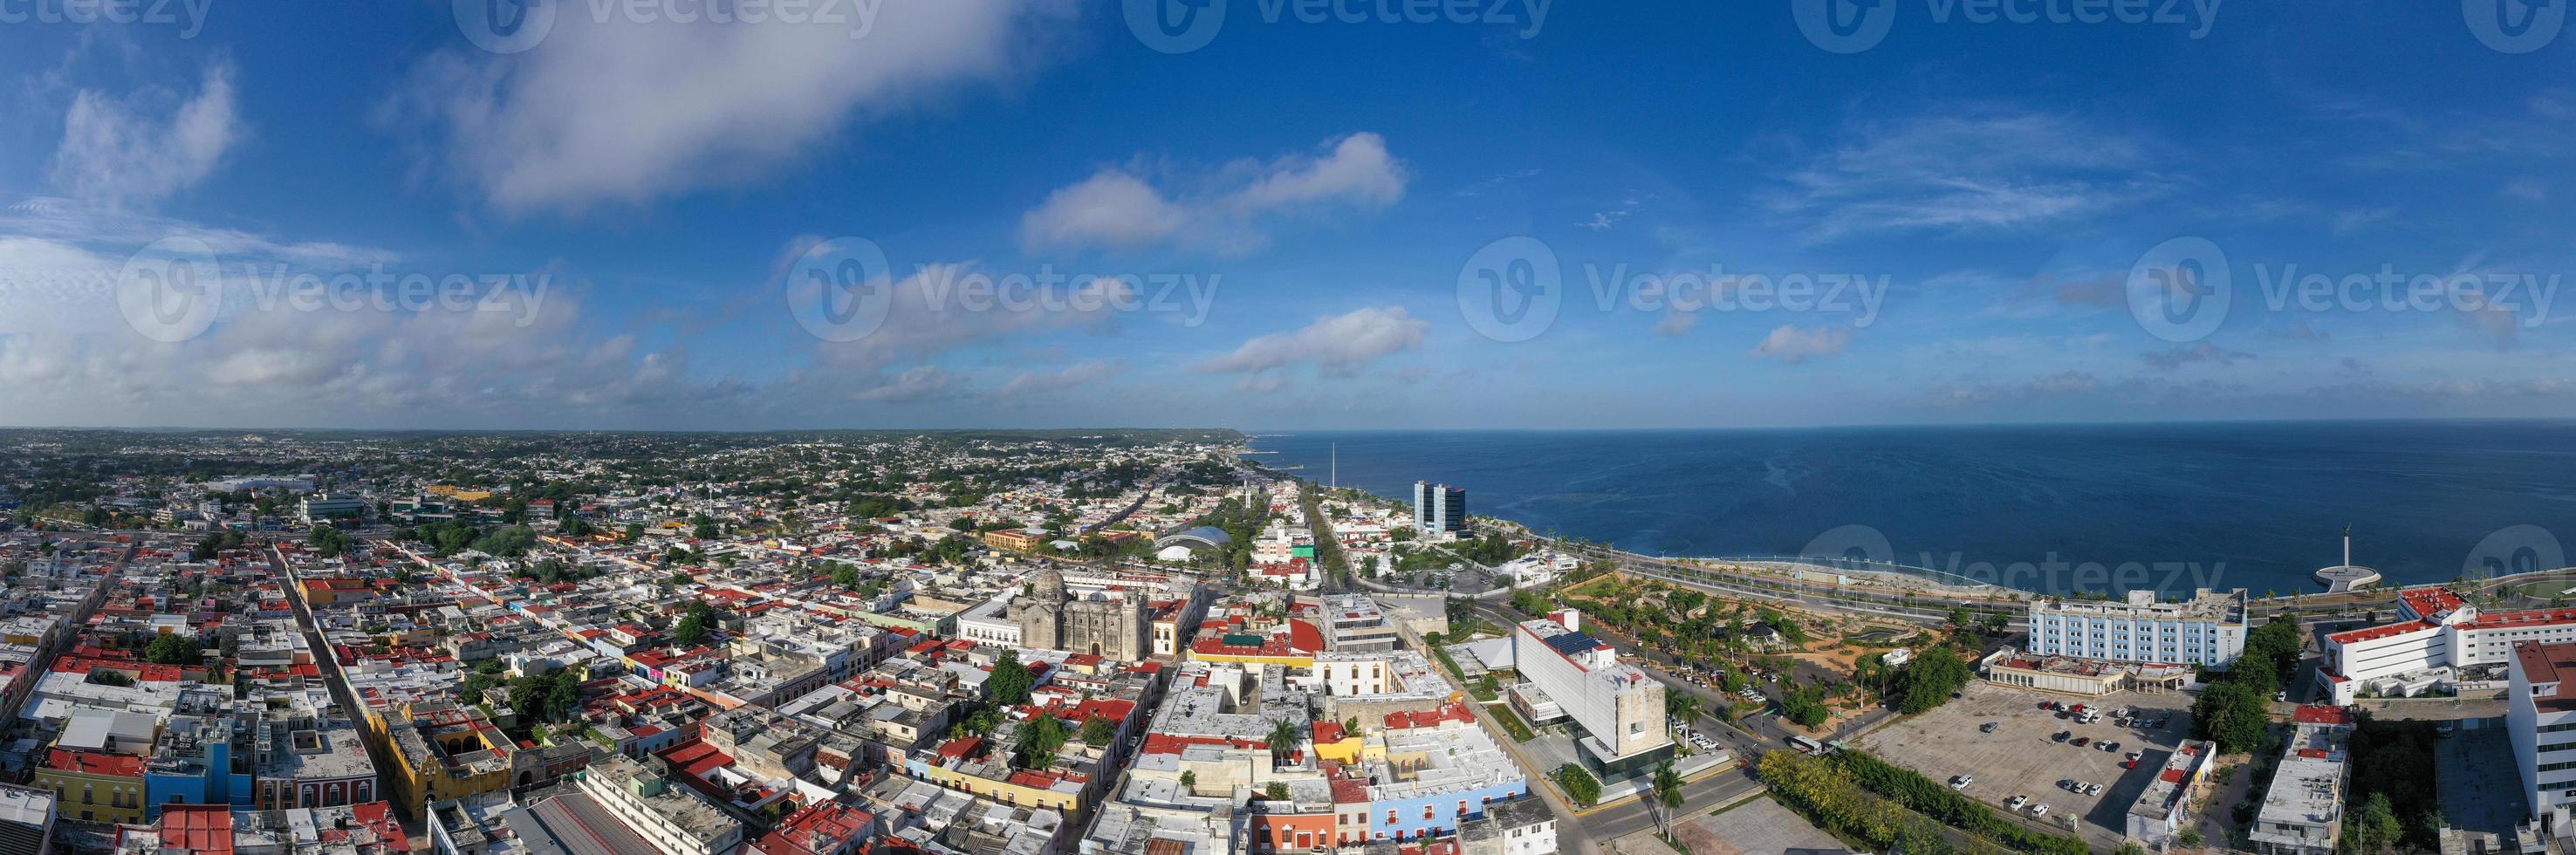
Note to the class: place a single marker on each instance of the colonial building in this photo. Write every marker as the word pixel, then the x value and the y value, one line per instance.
pixel 1110 624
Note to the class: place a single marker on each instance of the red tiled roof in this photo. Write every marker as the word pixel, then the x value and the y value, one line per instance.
pixel 91 763
pixel 199 829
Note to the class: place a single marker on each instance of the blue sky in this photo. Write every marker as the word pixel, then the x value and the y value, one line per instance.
pixel 1297 220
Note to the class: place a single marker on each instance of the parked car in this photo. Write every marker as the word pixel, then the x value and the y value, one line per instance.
pixel 1988 727
pixel 2039 812
pixel 2016 802
pixel 2062 735
pixel 2092 789
pixel 1961 782
pixel 2080 740
pixel 2113 746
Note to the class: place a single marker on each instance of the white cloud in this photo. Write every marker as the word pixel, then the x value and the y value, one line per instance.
pixel 1338 345
pixel 1111 208
pixel 123 153
pixel 1116 208
pixel 1793 345
pixel 626 112
pixel 1965 170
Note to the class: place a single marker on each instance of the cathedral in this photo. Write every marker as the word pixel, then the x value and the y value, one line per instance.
pixel 1112 627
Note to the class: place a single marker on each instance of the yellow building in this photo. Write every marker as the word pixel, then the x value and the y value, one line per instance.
pixel 93 787
pixel 1013 539
pixel 997 781
pixel 448 754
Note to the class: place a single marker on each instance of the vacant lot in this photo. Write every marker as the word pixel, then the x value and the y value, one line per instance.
pixel 2020 758
pixel 1757 826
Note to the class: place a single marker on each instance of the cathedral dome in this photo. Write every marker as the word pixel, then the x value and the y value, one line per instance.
pixel 1046 586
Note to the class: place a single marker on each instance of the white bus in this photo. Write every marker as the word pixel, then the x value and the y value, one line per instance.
pixel 1809 746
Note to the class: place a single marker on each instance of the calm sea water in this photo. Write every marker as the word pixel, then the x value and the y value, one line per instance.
pixel 2047 508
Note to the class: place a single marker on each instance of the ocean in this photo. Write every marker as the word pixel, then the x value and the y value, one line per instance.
pixel 2056 508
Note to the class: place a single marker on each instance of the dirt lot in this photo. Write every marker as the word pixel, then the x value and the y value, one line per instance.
pixel 2020 758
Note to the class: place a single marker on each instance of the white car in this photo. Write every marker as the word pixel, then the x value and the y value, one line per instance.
pixel 2016 802
pixel 1961 782
pixel 2092 789
pixel 2038 811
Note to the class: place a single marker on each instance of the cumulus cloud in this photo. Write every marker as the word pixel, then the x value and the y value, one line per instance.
pixel 1117 208
pixel 1337 345
pixel 620 111
pixel 1793 345
pixel 127 152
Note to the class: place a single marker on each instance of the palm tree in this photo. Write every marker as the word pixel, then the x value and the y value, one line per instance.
pixel 1283 739
pixel 1666 796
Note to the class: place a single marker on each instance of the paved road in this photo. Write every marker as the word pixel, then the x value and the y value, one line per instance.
pixel 378 750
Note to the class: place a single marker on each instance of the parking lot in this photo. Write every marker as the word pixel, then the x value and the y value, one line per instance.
pixel 2021 757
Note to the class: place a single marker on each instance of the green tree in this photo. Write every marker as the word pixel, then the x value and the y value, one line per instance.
pixel 2373 828
pixel 692 628
pixel 1665 796
pixel 2233 714
pixel 1929 679
pixel 1189 781
pixel 174 649
pixel 1097 731
pixel 1277 791
pixel 1010 682
pixel 1282 741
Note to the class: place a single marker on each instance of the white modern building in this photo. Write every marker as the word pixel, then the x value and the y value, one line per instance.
pixel 1619 707
pixel 2540 716
pixel 2208 629
pixel 1439 510
pixel 321 507
pixel 2435 635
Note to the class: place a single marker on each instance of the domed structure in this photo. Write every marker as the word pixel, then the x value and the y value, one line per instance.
pixel 1046 586
pixel 1113 626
